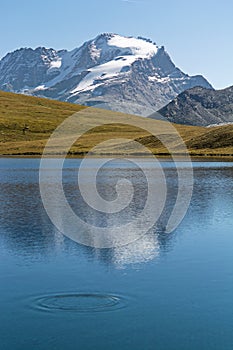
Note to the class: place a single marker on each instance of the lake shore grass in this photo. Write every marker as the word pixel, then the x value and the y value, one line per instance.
pixel 26 123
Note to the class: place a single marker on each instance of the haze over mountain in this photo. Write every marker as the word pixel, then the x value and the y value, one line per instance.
pixel 112 71
pixel 200 106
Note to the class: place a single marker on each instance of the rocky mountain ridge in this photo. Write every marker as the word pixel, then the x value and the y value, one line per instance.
pixel 131 75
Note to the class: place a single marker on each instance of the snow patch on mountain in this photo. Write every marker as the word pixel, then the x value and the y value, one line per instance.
pixel 102 72
pixel 157 79
pixel 55 64
pixel 219 124
pixel 39 88
pixel 139 47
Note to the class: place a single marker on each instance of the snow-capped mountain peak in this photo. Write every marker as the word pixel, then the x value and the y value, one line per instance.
pixel 139 47
pixel 122 73
pixel 117 53
pixel 122 45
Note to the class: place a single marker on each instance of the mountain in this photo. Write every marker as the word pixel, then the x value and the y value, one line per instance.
pixel 125 74
pixel 200 106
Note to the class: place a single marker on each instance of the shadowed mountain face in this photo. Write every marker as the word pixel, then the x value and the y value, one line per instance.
pixel 113 72
pixel 200 106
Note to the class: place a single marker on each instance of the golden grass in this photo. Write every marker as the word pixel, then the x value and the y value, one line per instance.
pixel 27 122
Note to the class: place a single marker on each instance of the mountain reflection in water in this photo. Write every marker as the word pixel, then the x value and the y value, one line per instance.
pixel 26 229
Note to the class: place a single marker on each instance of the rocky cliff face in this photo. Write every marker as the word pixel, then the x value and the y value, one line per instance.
pixel 200 106
pixel 113 72
pixel 26 68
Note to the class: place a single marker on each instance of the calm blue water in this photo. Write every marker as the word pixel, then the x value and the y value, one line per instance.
pixel 163 292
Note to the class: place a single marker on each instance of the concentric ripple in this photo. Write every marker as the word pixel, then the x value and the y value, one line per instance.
pixel 80 302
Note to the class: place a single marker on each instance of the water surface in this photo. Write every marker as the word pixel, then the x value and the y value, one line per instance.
pixel 165 292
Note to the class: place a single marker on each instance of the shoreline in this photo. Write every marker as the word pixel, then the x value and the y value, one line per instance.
pixel 162 157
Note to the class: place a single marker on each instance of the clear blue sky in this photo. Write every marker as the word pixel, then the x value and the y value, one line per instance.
pixel 197 34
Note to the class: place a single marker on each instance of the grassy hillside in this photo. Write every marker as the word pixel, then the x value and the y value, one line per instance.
pixel 27 122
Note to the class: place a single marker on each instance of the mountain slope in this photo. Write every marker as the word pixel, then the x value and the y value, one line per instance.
pixel 42 116
pixel 111 71
pixel 200 106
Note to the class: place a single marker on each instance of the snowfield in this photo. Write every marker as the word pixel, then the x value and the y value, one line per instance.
pixel 103 72
pixel 138 47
